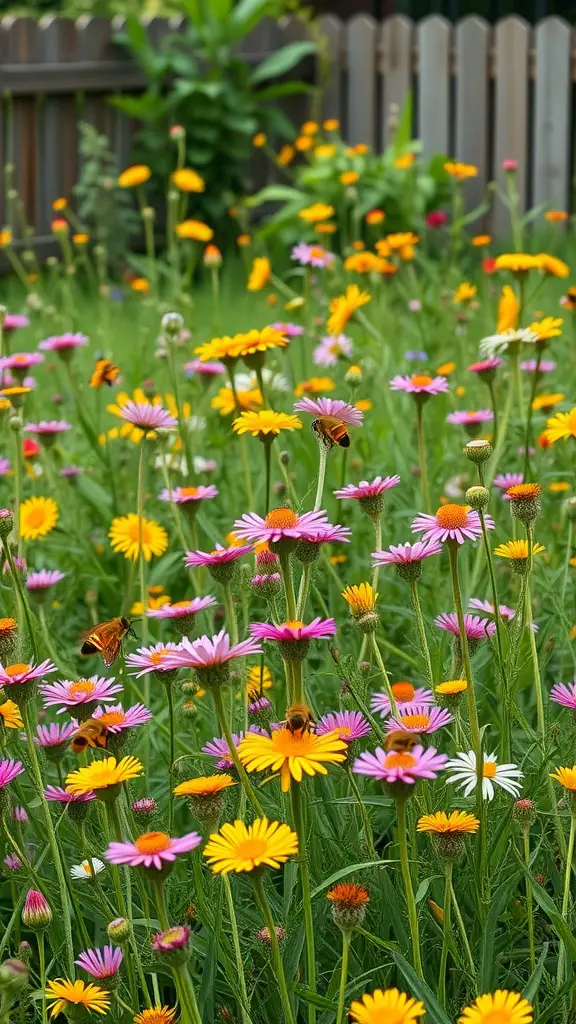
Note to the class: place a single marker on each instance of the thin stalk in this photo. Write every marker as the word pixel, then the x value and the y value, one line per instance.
pixel 245 1005
pixel 377 520
pixel 506 738
pixel 286 571
pixel 529 900
pixel 494 406
pixel 298 819
pixel 463 932
pixel 22 598
pixel 363 812
pixel 262 900
pixel 247 474
pixel 230 612
pixel 518 386
pixel 267 442
pixel 188 993
pixel 171 752
pixel 567 562
pixel 466 663
pixel 323 457
pixel 529 413
pixel 303 590
pixel 447 933
pixel 560 976
pixel 422 457
pixel 42 962
pixel 17 469
pixel 346 936
pixel 421 629
pixel 226 732
pixel 382 667
pixel 408 890
pixel 536 668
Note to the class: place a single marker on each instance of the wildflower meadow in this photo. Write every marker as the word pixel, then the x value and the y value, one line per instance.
pixel 287 646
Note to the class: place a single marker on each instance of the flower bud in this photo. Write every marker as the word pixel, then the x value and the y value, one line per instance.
pixel 478 498
pixel 268 586
pixel 36 913
pixel 144 810
pixel 524 812
pixel 172 324
pixel 13 974
pixel 6 522
pixel 307 552
pixel 571 508
pixel 478 451
pixel 172 945
pixel 525 501
pixel 119 930
pixel 263 935
pixel 25 952
pixel 348 904
pixel 284 458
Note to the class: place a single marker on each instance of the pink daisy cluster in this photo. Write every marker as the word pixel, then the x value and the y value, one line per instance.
pixel 312 255
pixel 43 579
pixel 400 766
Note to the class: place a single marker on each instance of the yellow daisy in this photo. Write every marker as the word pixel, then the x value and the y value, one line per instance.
pixel 389 1006
pixel 517 262
pixel 65 993
pixel 157 1015
pixel 566 777
pixel 456 822
pixel 126 534
pixel 508 310
pixel 316 212
pixel 204 785
pixel 265 423
pixel 38 517
pixel 548 327
pixel 259 274
pixel 360 599
pixel 547 401
pixel 314 386
pixel 258 681
pixel 257 341
pixel 188 180
pixel 194 231
pixel 292 754
pixel 464 293
pixel 561 427
pixel 240 848
pixel 553 266
pixel 500 1007
pixel 460 171
pixel 343 306
pixel 103 774
pixel 451 687
pixel 10 713
pixel 517 549
pixel 224 400
pixel 134 176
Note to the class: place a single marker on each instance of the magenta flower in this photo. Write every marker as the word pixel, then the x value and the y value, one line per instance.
pixel 181 609
pixel 184 495
pixel 58 795
pixel 350 725
pixel 405 554
pixel 43 579
pixel 118 719
pixel 21 360
pixel 70 693
pixel 176 937
pixel 486 367
pixel 15 675
pixel 311 255
pixel 291 632
pixel 279 523
pixel 55 734
pixel 291 330
pixel 13 862
pixel 36 912
pixel 365 489
pixel 564 694
pixel 5 466
pixel 471 418
pixel 151 659
pixel 48 427
pixel 421 718
pixel 400 766
pixel 68 472
pixel 451 522
pixel 261 704
pixel 152 849
pixel 217 557
pixel 342 411
pixel 329 535
pixel 19 814
pixel 486 606
pixel 331 349
pixel 12 321
pixel 209 651
pixel 218 747
pixel 9 770
pixel 209 369
pixel 531 365
pixel 419 384
pixel 101 963
pixel 147 416
pixel 505 480
pixel 406 697
pixel 476 628
pixel 63 342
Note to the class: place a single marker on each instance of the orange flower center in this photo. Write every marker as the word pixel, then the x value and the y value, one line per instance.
pixel 281 519
pixel 452 517
pixel 295 624
pixel 82 686
pixel 489 770
pixel 344 730
pixel 8 625
pixel 156 656
pixel 18 669
pixel 153 842
pixel 316 252
pixel 250 849
pixel 297 744
pixel 19 359
pixel 180 604
pixel 87 867
pixel 113 718
pixel 524 491
pixel 36 517
pixel 420 379
pixel 400 760
pixel 189 492
pixel 496 1017
pixel 403 691
pixel 415 721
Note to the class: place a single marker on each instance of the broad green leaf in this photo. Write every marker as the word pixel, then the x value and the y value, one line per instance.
pixel 535 979
pixel 282 61
pixel 377 940
pixel 312 997
pixel 246 10
pixel 550 908
pixel 499 901
pixel 418 988
pixel 274 92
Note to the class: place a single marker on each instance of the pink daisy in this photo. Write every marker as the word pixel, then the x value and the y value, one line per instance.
pixel 182 609
pixel 12 321
pixel 505 480
pixel 147 416
pixel 218 747
pixel 13 862
pixel 328 536
pixel 546 366
pixel 291 330
pixel 176 937
pixel 470 418
pixel 476 628
pixel 486 367
pixel 400 766
pixel 63 342
pixel 350 725
pixel 69 472
pixel 43 579
pixel 101 963
pixel 342 411
pixel 564 694
pixel 152 849
pixel 9 770
pixel 279 523
pixel 419 384
pixel 421 718
pixel 5 466
pixel 486 606
pixel 70 693
pixel 21 361
pixel 405 554
pixel 15 675
pixel 183 495
pixel 365 489
pixel 58 795
pixel 217 557
pixel 293 632
pixel 331 349
pixel 451 522
pixel 55 734
pixel 312 255
pixel 207 652
pixel 117 719
pixel 151 659
pixel 209 369
pixel 406 696
pixel 48 427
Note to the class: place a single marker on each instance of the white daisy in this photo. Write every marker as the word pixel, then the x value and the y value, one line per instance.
pixel 503 775
pixel 495 344
pixel 274 381
pixel 87 869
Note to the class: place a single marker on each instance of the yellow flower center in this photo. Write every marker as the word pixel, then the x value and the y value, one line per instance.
pixel 87 867
pixel 281 519
pixel 415 721
pixel 113 718
pixel 17 669
pixel 152 842
pixel 133 532
pixel 36 517
pixel 156 656
pixel 250 849
pixel 344 730
pixel 8 625
pixel 189 492
pixel 400 760
pixel 452 517
pixel 420 379
pixel 83 686
pixel 403 691
pixel 497 1017
pixel 295 624
pixel 180 604
pixel 489 770
pixel 387 1015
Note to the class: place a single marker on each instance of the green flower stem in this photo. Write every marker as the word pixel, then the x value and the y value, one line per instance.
pixel 536 668
pixel 567 562
pixel 463 932
pixel 17 467
pixel 346 936
pixel 467 666
pixel 363 812
pixel 188 993
pixel 494 407
pixel 382 667
pixel 562 956
pixel 230 613
pixel 447 932
pixel 377 521
pixel 286 571
pixel 303 589
pixel 517 378
pixel 422 457
pixel 42 962
pixel 171 751
pixel 287 480
pixel 323 457
pixel 529 900
pixel 513 209
pixel 504 698
pixel 247 473
pixel 142 580
pixel 226 732
pixel 48 640
pixel 52 841
pixel 407 879
pixel 421 629
pixel 298 819
pixel 215 283
pixel 22 599
pixel 245 1005
pixel 262 900
pixel 183 433
pixel 267 441
pixel 182 980
pixel 160 901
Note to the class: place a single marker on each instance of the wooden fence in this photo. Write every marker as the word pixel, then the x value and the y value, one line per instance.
pixel 481 94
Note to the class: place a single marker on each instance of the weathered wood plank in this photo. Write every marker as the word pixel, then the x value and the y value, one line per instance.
pixel 471 146
pixel 397 42
pixel 433 34
pixel 361 47
pixel 551 136
pixel 512 41
pixel 19 44
pixel 332 29
pixel 95 44
pixel 58 142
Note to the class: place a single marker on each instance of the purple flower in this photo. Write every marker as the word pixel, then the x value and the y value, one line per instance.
pixel 209 369
pixel 9 770
pixel 564 694
pixel 421 718
pixel 55 734
pixel 451 522
pixel 476 628
pixel 365 489
pixel 505 480
pixel 293 631
pixel 486 366
pixel 175 938
pixel 69 693
pixel 101 963
pixel 279 523
pixel 58 795
pixel 404 554
pixel 152 849
pixel 15 675
pixel 208 651
pixel 419 383
pixel 147 416
pixel 151 659
pixel 13 862
pixel 183 495
pixel 68 472
pixel 62 342
pixel 465 419
pixel 406 699
pixel 488 607
pixel 291 330
pixel 182 609
pixel 331 349
pixel 19 814
pixel 217 557
pixel 530 365
pixel 350 725
pixel 416 355
pixel 262 703
pixel 21 361
pixel 312 255
pixel 12 321
pixel 117 719
pixel 43 579
pixel 5 466
pixel 342 411
pixel 400 766
pixel 48 427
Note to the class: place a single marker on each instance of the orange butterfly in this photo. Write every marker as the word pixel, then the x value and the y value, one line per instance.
pixel 106 638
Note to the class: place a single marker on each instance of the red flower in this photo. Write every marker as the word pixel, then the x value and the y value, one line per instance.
pixel 489 265
pixel 30 448
pixel 436 219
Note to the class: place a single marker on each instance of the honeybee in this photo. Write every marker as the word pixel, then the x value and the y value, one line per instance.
pixel 331 431
pixel 92 733
pixel 104 373
pixel 299 719
pixel 106 638
pixel 400 741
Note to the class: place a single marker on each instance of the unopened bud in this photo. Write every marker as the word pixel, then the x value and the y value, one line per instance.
pixel 284 458
pixel 571 509
pixel 478 451
pixel 36 913
pixel 172 324
pixel 6 522
pixel 13 974
pixel 524 812
pixel 119 930
pixel 478 498
pixel 525 502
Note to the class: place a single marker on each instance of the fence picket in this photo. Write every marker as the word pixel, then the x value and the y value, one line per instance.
pixel 471 146
pixel 58 143
pixel 95 43
pixel 20 46
pixel 512 41
pixel 551 139
pixel 361 40
pixel 433 35
pixel 332 29
pixel 397 42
